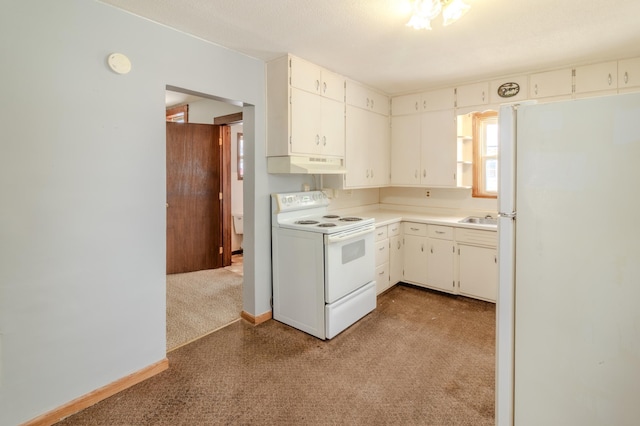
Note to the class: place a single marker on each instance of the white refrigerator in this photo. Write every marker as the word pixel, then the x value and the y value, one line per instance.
pixel 568 310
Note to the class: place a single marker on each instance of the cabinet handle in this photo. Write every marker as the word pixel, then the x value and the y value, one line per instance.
pixel 398 244
pixel 381 248
pixel 367 102
pixel 416 105
pixel 424 173
pixel 626 77
pixel 424 104
pixel 381 273
pixel 535 89
pixel 324 87
pixel 317 85
pixel 317 139
pixel 609 79
pixel 367 173
pixel 422 247
pixel 495 259
pixel 414 229
pixel 439 232
pixel 324 140
pixel 483 96
pixel 416 174
pixel 431 249
pixel 371 103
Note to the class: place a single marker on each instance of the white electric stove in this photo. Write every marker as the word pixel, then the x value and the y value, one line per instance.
pixel 323 264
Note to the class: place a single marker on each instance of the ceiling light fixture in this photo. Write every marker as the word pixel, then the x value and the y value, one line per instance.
pixel 425 11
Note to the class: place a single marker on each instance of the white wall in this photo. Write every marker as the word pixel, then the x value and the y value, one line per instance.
pixel 454 199
pixel 82 184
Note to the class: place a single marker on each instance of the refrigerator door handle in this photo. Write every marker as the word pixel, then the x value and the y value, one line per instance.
pixel 507 215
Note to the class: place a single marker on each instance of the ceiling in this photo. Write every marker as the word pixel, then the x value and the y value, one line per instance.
pixel 367 40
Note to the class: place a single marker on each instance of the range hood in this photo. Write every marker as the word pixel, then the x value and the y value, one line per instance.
pixel 306 165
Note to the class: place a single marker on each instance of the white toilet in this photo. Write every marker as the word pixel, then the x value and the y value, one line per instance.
pixel 238 225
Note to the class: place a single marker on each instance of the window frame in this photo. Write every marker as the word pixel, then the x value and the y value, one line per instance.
pixel 479 189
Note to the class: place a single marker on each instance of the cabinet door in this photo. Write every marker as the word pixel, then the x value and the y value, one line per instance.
pixel 478 272
pixel 551 84
pixel 405 150
pixel 379 150
pixel 415 259
pixel 438 100
pixel 440 258
pixel 366 98
pixel 472 94
pixel 601 77
pixel 629 75
pixel 305 75
pixel 306 113
pixel 332 86
pixel 356 159
pixel 395 259
pixel 332 127
pixel 438 148
pixel 406 104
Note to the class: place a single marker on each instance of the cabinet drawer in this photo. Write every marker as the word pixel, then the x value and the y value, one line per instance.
pixel 382 278
pixel 477 237
pixel 393 229
pixel 382 252
pixel 412 228
pixel 440 232
pixel 381 233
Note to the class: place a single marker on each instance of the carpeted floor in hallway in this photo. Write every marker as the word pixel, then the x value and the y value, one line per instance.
pixel 421 358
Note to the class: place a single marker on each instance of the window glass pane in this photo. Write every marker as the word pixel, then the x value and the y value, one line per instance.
pixel 491 175
pixel 491 140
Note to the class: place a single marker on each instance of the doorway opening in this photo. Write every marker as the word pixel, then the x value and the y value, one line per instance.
pixel 204 196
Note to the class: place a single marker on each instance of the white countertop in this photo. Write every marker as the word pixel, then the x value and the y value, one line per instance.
pixel 386 217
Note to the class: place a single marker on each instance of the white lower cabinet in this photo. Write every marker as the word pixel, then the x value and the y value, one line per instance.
pixel 415 253
pixel 445 258
pixel 396 259
pixel 385 261
pixel 477 263
pixel 440 258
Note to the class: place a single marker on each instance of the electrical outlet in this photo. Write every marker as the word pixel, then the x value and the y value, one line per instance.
pixel 428 194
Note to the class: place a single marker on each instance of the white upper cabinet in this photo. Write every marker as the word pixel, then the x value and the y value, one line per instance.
pixel 438 149
pixel 472 94
pixel 510 89
pixel 629 75
pixel 556 84
pixel 312 78
pixel 602 77
pixel 405 150
pixel 366 98
pixel 406 104
pixel 305 109
pixel 437 100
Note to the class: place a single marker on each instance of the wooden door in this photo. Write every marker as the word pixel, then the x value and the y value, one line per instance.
pixel 194 219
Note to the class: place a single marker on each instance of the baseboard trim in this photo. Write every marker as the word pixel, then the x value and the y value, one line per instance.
pixel 256 320
pixel 98 395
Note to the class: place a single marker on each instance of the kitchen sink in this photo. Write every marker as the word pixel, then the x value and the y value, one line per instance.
pixel 487 220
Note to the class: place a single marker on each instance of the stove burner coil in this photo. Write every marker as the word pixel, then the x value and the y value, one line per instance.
pixel 350 219
pixel 307 222
pixel 331 216
pixel 327 225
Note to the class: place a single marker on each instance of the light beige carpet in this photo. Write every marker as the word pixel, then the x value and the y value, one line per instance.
pixel 201 302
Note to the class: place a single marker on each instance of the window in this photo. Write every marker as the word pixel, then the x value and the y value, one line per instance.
pixel 240 157
pixel 179 114
pixel 485 154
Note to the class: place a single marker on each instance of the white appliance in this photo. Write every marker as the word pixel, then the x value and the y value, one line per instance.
pixel 569 263
pixel 323 264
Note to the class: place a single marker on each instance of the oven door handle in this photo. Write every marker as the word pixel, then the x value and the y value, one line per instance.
pixel 342 236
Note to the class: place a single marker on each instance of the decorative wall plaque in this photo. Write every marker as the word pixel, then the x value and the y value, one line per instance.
pixel 508 90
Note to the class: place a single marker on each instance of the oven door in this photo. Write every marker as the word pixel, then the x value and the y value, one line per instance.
pixel 349 261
